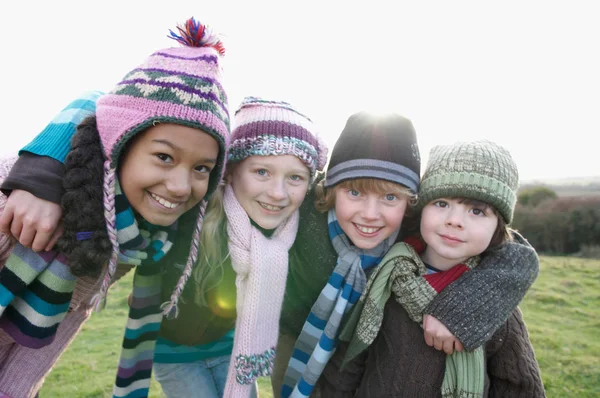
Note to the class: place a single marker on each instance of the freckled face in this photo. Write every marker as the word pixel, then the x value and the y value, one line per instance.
pixel 166 170
pixel 368 218
pixel 455 231
pixel 270 188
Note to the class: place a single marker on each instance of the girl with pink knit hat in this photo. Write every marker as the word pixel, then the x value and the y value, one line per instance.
pixel 225 334
pixel 137 177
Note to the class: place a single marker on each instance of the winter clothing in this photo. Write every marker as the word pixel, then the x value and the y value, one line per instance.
pixel 403 276
pixel 173 86
pixel 382 147
pixel 22 369
pixel 55 139
pixel 261 265
pixel 400 364
pixel 318 339
pixel 479 302
pixel 264 127
pixel 480 170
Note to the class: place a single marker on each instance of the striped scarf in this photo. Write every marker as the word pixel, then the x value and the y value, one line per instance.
pixel 143 245
pixel 402 273
pixel 318 338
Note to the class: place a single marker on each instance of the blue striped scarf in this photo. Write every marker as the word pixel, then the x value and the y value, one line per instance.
pixel 319 336
pixel 36 290
pixel 143 246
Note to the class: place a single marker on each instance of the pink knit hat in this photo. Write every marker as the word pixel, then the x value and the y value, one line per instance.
pixel 264 128
pixel 174 85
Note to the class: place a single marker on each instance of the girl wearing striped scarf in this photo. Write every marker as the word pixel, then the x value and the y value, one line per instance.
pixel 137 178
pixel 249 226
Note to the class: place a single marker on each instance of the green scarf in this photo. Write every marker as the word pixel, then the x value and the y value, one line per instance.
pixel 402 273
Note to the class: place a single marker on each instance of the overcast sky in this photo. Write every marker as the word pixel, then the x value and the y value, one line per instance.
pixel 525 74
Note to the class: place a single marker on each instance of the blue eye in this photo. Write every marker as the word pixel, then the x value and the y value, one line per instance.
pixel 390 197
pixel 261 172
pixel 354 192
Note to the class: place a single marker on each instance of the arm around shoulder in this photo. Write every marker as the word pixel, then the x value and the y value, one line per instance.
pixel 481 300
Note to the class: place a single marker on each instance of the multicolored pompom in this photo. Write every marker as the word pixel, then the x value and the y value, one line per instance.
pixel 195 34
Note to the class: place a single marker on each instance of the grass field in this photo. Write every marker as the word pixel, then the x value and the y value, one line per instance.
pixel 562 311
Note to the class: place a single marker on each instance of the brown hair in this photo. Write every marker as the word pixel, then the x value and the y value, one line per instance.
pixel 326 196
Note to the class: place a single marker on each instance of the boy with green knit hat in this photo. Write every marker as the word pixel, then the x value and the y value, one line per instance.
pixel 466 199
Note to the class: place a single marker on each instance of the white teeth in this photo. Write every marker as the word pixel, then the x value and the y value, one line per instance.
pixel 269 207
pixel 164 202
pixel 366 230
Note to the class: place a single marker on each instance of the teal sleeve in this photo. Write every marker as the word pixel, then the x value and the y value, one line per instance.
pixel 55 140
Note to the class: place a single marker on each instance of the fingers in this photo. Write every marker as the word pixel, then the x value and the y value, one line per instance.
pixel 6 219
pixel 55 236
pixel 458 346
pixel 448 346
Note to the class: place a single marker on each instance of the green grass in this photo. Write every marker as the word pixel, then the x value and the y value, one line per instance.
pixel 561 311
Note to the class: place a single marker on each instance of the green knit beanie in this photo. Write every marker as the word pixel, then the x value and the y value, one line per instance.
pixel 480 170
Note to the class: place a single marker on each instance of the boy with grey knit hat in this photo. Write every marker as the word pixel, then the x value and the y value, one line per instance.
pixel 466 199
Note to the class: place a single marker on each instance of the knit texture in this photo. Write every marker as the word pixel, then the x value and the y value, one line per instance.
pixel 174 85
pixel 495 288
pixel 382 147
pixel 265 127
pixel 55 139
pixel 400 364
pixel 402 275
pixel 480 170
pixel 141 246
pixel 261 265
pixel 318 339
pixel 22 369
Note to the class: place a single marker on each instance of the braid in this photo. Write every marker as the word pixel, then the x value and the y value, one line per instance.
pixel 82 203
pixel 170 307
pixel 111 225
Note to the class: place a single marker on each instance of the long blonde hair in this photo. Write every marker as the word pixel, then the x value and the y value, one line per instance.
pixel 214 248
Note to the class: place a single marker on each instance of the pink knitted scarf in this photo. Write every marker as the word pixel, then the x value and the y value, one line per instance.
pixel 261 265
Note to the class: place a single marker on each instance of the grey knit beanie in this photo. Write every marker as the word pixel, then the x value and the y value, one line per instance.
pixel 480 170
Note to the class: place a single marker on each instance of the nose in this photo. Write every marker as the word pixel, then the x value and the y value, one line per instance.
pixel 178 182
pixel 277 189
pixel 371 210
pixel 455 218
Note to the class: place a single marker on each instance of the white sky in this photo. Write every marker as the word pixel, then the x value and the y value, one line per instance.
pixel 525 74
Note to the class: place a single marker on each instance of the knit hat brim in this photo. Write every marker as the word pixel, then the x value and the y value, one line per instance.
pixel 372 168
pixel 472 186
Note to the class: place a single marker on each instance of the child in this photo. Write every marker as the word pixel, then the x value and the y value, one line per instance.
pixel 274 153
pixel 137 179
pixel 376 154
pixel 467 197
pixel 372 177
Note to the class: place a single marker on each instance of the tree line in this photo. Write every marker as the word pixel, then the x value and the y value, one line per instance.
pixel 559 225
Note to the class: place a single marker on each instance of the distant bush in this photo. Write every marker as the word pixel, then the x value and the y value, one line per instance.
pixel 590 251
pixel 534 196
pixel 562 225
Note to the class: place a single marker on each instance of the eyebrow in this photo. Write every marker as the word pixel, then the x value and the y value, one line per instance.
pixel 176 148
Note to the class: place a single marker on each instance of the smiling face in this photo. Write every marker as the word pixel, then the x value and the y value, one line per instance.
pixel 270 188
pixel 455 230
pixel 166 170
pixel 368 217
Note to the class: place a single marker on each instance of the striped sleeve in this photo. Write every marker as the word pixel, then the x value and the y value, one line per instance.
pixel 55 140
